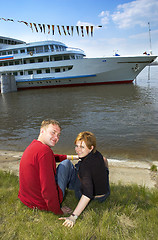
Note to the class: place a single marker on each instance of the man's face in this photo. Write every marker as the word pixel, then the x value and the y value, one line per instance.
pixel 50 135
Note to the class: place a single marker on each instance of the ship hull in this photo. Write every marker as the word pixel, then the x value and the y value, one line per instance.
pixel 94 71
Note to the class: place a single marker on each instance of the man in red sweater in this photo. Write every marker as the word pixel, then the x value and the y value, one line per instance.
pixel 38 178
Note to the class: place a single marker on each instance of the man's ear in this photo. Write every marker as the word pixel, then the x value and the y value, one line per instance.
pixel 42 131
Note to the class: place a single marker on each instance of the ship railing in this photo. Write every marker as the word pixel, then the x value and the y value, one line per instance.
pixel 75 49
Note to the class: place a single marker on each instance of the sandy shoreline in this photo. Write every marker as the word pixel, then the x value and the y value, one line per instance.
pixel 124 172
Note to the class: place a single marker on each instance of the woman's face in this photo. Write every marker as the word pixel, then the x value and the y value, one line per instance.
pixel 81 149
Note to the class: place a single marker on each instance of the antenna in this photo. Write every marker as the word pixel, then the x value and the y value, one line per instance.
pixel 150 38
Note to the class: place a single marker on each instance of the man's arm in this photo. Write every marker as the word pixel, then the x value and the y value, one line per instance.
pixel 49 189
pixel 60 158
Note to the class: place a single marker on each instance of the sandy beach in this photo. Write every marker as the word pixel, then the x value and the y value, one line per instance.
pixel 124 172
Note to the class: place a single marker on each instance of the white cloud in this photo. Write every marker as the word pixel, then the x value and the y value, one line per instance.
pixel 105 15
pixel 79 23
pixel 144 35
pixel 137 12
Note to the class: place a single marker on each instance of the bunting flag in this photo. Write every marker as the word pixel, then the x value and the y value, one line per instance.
pixel 58 29
pixel 77 29
pixel 35 27
pixel 53 29
pixel 91 31
pixel 10 20
pixel 31 27
pixel 24 22
pixel 87 30
pixel 48 28
pixel 82 31
pixel 40 26
pixel 72 30
pixel 44 28
pixel 66 30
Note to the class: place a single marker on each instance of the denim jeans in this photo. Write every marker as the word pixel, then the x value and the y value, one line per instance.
pixel 66 177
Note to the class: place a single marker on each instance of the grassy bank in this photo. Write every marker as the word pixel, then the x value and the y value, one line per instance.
pixel 131 212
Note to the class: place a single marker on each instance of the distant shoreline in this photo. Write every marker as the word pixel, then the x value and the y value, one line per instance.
pixel 121 171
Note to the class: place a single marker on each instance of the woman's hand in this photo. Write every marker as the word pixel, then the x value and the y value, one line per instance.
pixel 69 221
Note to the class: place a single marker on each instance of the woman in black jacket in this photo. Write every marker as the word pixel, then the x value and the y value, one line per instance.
pixel 93 175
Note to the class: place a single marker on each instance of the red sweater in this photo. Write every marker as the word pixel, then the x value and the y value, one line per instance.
pixel 37 172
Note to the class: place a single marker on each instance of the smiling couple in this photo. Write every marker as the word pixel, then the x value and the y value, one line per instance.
pixel 42 186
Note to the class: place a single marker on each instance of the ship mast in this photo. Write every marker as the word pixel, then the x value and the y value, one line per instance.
pixel 150 38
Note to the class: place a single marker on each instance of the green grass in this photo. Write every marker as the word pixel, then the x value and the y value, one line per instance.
pixel 131 212
pixel 153 168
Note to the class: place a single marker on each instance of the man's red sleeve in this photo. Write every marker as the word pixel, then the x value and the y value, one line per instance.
pixel 59 157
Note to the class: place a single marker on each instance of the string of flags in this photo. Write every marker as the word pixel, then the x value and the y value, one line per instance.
pixel 61 29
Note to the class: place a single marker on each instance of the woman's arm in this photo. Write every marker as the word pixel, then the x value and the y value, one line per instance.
pixel 70 221
pixel 81 205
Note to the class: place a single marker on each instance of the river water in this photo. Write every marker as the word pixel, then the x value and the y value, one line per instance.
pixel 123 117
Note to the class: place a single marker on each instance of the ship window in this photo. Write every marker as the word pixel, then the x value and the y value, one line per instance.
pixel 40 59
pixel 15 51
pixel 46 49
pixel 31 49
pixel 57 69
pixel 66 57
pixel 22 50
pixel 52 47
pixel 15 73
pixel 39 49
pixel 4 53
pixel 47 70
pixel 16 62
pixel 69 68
pixel 21 73
pixel 9 52
pixel 39 71
pixel 72 57
pixel 11 63
pixel 32 60
pixel 24 61
pixel 56 47
pixel 30 72
pixel 58 58
pixel 5 63
pixel 0 64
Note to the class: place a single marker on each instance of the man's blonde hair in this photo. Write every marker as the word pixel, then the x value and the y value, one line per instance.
pixel 89 139
pixel 46 122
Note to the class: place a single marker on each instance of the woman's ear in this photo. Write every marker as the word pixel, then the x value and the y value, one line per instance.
pixel 92 147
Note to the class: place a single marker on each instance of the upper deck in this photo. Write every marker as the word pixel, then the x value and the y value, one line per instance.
pixel 5 41
pixel 22 49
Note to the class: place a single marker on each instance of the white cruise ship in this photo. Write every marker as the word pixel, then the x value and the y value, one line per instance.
pixel 53 64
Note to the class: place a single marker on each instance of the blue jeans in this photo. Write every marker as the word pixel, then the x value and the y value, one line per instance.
pixel 66 177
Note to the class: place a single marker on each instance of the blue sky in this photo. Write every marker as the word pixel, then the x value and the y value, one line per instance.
pixel 124 23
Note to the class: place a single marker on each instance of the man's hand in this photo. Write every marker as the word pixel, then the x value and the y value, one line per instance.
pixel 66 210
